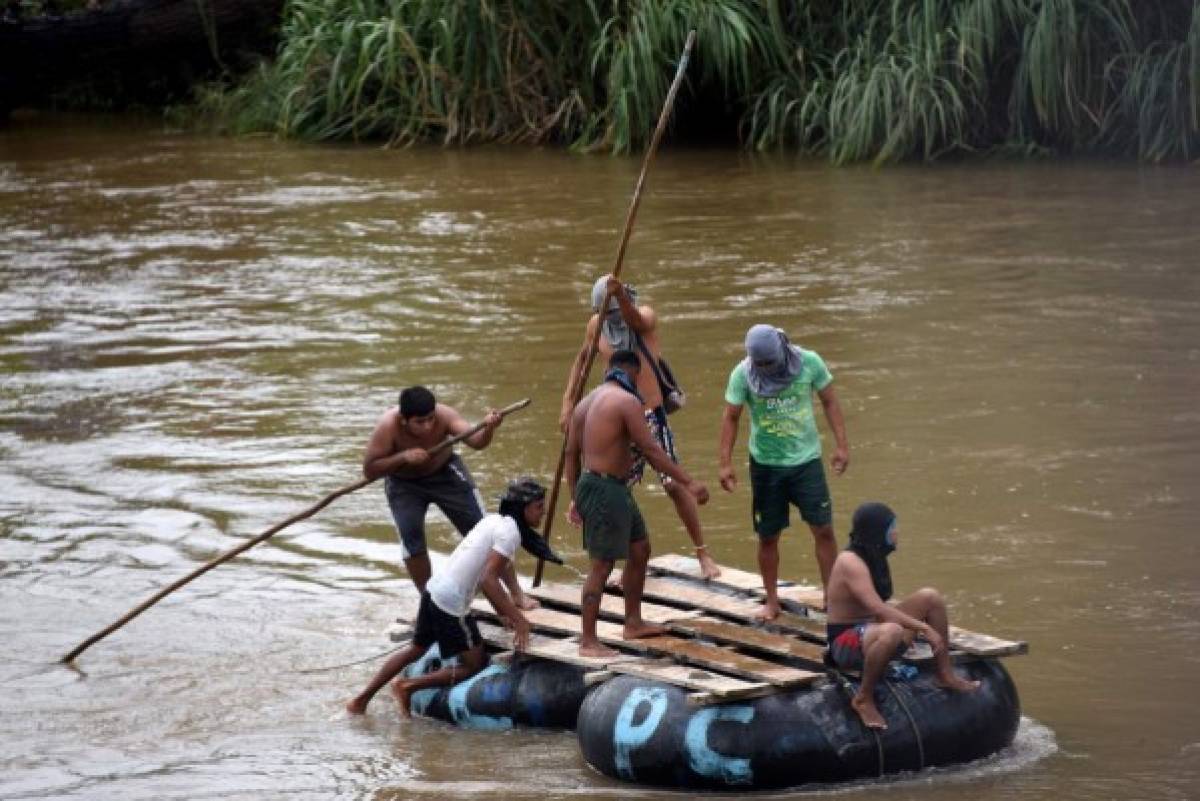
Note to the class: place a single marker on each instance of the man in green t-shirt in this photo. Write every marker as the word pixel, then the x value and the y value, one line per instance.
pixel 776 381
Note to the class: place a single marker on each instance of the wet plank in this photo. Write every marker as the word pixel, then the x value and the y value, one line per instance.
pixel 611 606
pixel 755 639
pixel 985 645
pixel 710 687
pixel 553 648
pixel 691 651
pixel 735 579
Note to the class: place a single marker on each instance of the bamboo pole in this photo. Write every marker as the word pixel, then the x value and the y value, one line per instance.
pixel 576 389
pixel 248 544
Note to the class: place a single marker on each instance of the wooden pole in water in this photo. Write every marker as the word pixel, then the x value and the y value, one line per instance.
pixel 576 389
pixel 248 544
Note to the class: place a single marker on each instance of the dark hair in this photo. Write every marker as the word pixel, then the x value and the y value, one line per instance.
pixel 625 358
pixel 416 402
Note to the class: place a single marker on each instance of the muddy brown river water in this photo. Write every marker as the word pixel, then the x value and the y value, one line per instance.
pixel 197 334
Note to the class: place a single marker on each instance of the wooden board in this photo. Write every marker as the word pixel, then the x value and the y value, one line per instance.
pixel 710 687
pixel 984 645
pixel 690 651
pixel 734 579
pixel 611 606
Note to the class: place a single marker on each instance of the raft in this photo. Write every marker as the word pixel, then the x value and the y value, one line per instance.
pixel 716 703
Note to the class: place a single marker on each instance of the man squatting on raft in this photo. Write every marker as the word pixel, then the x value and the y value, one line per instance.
pixel 445 616
pixel 776 381
pixel 864 631
pixel 399 449
pixel 603 426
pixel 628 326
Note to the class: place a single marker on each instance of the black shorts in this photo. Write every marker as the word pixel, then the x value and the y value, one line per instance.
pixel 450 488
pixel 453 635
pixel 775 488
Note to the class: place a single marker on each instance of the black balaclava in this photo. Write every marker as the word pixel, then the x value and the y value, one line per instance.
pixel 520 493
pixel 870 539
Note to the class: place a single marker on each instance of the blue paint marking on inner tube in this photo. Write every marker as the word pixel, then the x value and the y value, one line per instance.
pixel 626 736
pixel 461 714
pixel 707 762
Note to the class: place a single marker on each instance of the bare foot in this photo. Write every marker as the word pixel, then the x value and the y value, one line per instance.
pixel 956 683
pixel 640 629
pixel 525 603
pixel 770 611
pixel 708 566
pixel 401 692
pixel 357 706
pixel 597 650
pixel 868 712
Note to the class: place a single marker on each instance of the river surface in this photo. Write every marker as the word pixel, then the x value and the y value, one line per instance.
pixel 197 335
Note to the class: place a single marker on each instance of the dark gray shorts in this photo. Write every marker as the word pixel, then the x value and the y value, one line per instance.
pixel 611 518
pixel 452 634
pixel 773 489
pixel 451 489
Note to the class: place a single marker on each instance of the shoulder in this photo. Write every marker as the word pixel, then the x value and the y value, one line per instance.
pixel 505 534
pixel 388 422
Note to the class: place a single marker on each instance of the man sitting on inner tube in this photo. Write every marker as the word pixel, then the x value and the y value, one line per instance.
pixel 444 616
pixel 864 631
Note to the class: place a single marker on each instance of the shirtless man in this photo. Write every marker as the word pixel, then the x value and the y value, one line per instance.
pixel 399 449
pixel 445 613
pixel 603 426
pixel 624 325
pixel 864 631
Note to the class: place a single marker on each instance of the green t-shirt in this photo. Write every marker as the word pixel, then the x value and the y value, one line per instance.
pixel 783 431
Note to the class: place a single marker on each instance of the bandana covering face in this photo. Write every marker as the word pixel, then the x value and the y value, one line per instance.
pixel 772 363
pixel 622 379
pixel 616 330
pixel 871 539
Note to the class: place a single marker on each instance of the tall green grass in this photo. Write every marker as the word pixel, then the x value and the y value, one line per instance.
pixel 871 80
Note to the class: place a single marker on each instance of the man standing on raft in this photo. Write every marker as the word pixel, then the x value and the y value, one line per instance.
pixel 776 381
pixel 445 612
pixel 864 631
pixel 399 450
pixel 628 326
pixel 603 426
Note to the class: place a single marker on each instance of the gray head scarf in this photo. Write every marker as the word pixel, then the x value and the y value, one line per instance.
pixel 772 363
pixel 616 330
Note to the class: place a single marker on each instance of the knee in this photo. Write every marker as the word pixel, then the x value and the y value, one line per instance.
pixel 889 633
pixel 930 597
pixel 824 535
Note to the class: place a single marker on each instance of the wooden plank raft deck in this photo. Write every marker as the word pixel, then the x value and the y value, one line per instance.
pixel 713 645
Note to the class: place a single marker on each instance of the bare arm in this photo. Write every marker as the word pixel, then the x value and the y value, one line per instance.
pixel 500 600
pixel 833 415
pixel 456 424
pixel 635 423
pixel 729 431
pixel 858 582
pixel 381 458
pixel 575 376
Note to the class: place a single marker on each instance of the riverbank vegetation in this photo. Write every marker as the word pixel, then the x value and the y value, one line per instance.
pixel 873 80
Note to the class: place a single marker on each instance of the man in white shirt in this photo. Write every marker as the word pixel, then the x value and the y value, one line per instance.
pixel 445 617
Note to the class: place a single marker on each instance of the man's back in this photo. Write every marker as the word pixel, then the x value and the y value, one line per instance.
pixel 606 415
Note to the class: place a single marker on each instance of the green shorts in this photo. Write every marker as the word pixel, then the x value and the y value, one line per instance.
pixel 611 518
pixel 774 488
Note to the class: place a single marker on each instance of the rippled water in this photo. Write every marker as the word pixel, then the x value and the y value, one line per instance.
pixel 196 336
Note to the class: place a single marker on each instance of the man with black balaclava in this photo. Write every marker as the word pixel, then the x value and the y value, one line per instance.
pixel 864 631
pixel 627 325
pixel 776 381
pixel 444 617
pixel 603 426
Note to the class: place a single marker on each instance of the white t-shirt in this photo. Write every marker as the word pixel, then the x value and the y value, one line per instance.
pixel 454 585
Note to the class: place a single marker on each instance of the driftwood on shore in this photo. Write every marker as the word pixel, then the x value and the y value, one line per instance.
pixel 141 48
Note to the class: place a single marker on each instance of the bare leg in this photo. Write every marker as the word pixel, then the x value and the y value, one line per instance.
pixel 689 514
pixel 768 566
pixel 826 550
pixel 878 647
pixel 391 668
pixel 928 605
pixel 589 609
pixel 523 601
pixel 633 580
pixel 470 663
pixel 418 570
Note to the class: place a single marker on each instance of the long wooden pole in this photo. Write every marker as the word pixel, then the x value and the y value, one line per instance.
pixel 248 544
pixel 576 389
